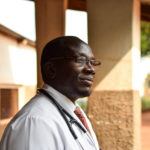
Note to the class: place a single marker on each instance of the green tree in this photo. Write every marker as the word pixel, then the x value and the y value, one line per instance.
pixel 145 38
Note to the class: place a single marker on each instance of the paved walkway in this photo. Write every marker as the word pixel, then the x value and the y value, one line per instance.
pixel 145 131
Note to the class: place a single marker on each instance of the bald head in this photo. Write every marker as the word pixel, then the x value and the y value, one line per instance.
pixel 59 47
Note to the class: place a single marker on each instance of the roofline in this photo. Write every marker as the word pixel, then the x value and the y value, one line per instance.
pixel 15 35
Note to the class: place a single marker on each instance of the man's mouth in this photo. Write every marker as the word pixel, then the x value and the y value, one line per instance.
pixel 88 81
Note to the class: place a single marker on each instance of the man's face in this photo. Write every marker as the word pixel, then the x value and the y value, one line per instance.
pixel 75 76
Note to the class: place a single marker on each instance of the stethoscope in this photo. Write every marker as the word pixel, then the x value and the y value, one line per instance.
pixel 65 114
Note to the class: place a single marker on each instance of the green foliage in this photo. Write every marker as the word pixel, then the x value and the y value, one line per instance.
pixel 145 103
pixel 145 38
pixel 83 104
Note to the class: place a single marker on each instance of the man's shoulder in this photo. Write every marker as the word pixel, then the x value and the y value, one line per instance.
pixel 39 107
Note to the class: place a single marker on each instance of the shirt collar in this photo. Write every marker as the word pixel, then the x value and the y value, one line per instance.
pixel 65 102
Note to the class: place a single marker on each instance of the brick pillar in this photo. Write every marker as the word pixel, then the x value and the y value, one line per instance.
pixel 50 23
pixel 114 106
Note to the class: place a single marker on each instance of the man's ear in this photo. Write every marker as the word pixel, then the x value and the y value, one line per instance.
pixel 50 70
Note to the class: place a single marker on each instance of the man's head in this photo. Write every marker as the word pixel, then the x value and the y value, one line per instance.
pixel 67 64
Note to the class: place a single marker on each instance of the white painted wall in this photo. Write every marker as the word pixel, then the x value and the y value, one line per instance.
pixel 17 62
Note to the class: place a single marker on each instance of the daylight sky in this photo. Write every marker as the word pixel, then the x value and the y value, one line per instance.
pixel 18 15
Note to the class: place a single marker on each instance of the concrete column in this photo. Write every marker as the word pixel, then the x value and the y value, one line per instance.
pixel 114 106
pixel 50 23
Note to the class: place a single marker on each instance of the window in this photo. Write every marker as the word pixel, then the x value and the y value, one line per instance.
pixel 8 103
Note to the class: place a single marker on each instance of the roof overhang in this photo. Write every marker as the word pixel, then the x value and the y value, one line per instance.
pixel 20 39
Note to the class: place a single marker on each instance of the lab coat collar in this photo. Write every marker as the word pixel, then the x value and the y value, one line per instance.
pixel 65 102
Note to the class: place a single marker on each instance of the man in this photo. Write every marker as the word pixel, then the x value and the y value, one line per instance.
pixel 50 120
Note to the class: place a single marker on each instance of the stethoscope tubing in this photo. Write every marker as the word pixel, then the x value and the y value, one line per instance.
pixel 64 113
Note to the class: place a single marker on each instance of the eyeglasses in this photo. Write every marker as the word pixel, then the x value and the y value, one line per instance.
pixel 81 60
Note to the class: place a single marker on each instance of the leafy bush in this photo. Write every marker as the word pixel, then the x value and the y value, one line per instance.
pixel 145 38
pixel 82 103
pixel 145 103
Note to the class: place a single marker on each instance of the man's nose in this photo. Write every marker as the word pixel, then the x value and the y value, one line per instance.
pixel 90 68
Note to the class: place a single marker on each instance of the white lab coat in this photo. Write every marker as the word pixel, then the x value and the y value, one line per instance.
pixel 39 126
